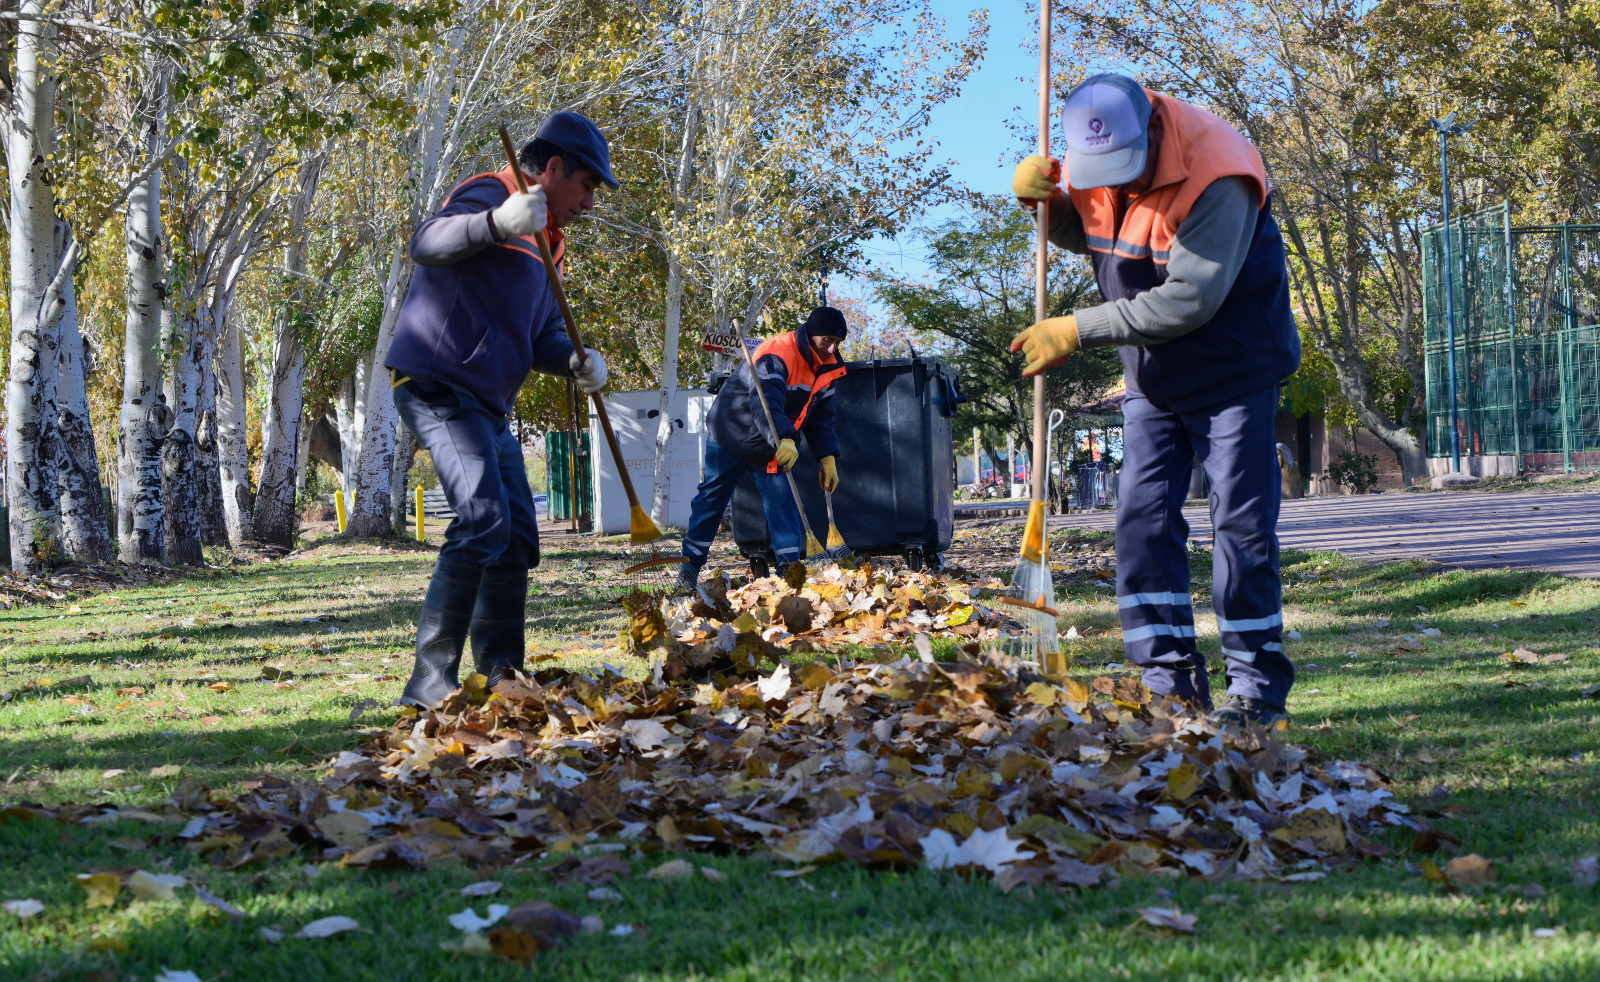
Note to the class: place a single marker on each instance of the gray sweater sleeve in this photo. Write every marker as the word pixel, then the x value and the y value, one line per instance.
pixel 445 239
pixel 1207 252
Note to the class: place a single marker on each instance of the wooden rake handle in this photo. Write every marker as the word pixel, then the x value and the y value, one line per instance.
pixel 554 276
pixel 755 383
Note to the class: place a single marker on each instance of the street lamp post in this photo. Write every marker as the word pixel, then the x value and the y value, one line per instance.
pixel 1447 128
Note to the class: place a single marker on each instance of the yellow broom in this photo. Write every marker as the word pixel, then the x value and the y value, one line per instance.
pixel 813 547
pixel 1032 587
pixel 641 528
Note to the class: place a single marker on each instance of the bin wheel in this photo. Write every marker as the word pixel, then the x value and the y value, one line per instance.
pixel 759 568
pixel 913 555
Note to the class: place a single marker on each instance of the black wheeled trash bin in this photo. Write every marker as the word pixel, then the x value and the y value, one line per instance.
pixel 897 467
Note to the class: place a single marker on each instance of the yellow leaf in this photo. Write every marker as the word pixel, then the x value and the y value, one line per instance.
pixel 101 887
pixel 220 687
pixel 1182 782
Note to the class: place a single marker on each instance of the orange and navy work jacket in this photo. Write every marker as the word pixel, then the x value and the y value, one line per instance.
pixel 481 322
pixel 798 387
pixel 1251 342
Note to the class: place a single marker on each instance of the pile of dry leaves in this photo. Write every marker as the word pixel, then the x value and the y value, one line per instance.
pixel 723 629
pixel 961 764
pixel 975 763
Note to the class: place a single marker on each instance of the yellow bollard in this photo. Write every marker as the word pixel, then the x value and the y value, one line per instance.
pixel 419 513
pixel 338 507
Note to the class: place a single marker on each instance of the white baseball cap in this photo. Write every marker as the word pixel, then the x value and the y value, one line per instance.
pixel 1107 125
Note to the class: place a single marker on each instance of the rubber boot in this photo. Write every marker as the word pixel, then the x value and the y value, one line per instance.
pixel 441 634
pixel 498 619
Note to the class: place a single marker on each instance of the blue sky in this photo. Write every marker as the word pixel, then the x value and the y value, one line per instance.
pixel 972 129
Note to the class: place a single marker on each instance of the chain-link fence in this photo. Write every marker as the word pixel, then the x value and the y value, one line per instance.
pixel 1526 305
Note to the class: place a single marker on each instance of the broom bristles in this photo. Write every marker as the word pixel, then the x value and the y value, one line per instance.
pixel 835 540
pixel 1033 534
pixel 813 547
pixel 642 529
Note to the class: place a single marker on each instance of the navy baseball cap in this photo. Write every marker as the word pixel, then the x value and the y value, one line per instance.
pixel 580 140
pixel 1107 124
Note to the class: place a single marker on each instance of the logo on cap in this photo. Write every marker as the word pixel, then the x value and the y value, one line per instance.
pixel 1097 138
pixel 1096 125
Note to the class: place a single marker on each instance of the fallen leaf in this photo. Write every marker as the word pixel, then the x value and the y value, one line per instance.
pixel 166 770
pixel 513 946
pixel 212 900
pixel 1469 869
pixel 1522 656
pixel 673 870
pixel 347 828
pixel 22 909
pixel 482 888
pixel 776 685
pixel 327 927
pixel 1170 918
pixel 101 887
pixel 604 894
pixel 155 886
pixel 220 687
pixel 172 975
pixel 468 920
pixel 646 734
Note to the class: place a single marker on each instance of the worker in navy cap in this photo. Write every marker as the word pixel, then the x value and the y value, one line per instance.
pixel 479 316
pixel 1172 206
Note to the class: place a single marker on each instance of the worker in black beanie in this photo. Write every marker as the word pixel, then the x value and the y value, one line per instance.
pixel 796 371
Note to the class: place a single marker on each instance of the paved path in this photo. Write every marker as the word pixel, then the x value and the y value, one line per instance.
pixel 1557 531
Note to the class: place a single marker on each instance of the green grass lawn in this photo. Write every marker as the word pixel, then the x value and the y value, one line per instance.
pixel 1502 757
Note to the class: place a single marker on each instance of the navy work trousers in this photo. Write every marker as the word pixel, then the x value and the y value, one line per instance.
pixel 1237 448
pixel 480 467
pixel 723 471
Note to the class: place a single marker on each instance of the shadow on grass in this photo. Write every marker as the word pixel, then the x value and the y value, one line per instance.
pixel 216 756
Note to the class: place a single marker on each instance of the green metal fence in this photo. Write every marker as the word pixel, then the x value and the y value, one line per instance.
pixel 1527 341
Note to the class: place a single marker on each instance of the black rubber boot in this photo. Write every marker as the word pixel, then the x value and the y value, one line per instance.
pixel 441 634
pixel 498 619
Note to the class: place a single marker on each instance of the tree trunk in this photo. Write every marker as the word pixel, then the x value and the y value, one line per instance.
pixel 233 445
pixel 180 492
pixel 274 519
pixel 668 376
pixel 281 459
pixel 84 533
pixel 373 514
pixel 208 479
pixel 142 421
pixel 405 454
pixel 31 438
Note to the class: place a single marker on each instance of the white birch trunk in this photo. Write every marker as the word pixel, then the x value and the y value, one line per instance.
pixel 281 460
pixel 180 493
pixel 233 446
pixel 31 438
pixel 659 505
pixel 85 536
pixel 142 421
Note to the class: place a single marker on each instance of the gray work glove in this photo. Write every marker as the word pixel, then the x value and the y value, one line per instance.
pixel 521 214
pixel 592 376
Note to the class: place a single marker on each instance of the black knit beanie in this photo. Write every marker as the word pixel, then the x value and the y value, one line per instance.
pixel 827 322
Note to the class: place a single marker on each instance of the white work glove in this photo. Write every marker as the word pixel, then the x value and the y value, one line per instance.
pixel 592 376
pixel 521 214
